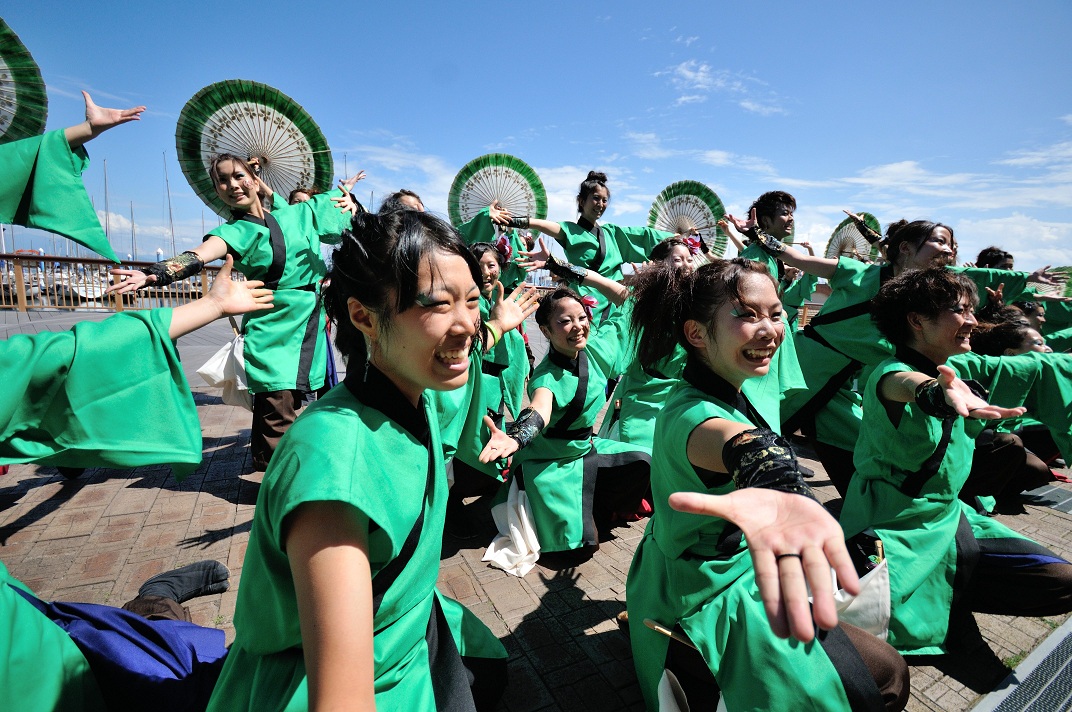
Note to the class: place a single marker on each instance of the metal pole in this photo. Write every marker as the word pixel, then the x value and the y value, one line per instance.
pixel 171 217
pixel 133 234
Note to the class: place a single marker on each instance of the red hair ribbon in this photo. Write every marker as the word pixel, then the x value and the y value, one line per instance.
pixel 693 244
pixel 589 301
pixel 503 246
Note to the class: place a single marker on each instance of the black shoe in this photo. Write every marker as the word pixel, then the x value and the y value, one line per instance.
pixel 71 473
pixel 201 579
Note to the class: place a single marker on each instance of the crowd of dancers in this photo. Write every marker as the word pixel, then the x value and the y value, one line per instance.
pixel 931 393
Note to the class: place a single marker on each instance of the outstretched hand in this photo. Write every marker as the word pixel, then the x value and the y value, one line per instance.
pixel 967 404
pixel 347 185
pixel 499 445
pixel 536 258
pixel 98 120
pixel 498 214
pixel 132 279
pixel 996 297
pixel 1043 275
pixel 510 313
pixel 235 298
pixel 794 543
pixel 345 202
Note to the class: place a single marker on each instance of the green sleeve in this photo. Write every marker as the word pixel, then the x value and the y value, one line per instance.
pixel 636 243
pixel 1060 341
pixel 241 237
pixel 609 344
pixel 1042 383
pixel 41 187
pixel 278 201
pixel 1016 286
pixel 328 221
pixel 478 228
pixel 798 292
pixel 752 251
pixel 81 398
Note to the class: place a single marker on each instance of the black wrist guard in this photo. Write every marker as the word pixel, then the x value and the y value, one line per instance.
pixel 930 397
pixel 770 244
pixel 175 268
pixel 870 235
pixel 528 425
pixel 761 458
pixel 521 222
pixel 566 271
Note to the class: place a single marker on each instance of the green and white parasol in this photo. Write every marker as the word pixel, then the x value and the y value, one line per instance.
pixel 23 101
pixel 689 204
pixel 848 241
pixel 251 120
pixel 496 176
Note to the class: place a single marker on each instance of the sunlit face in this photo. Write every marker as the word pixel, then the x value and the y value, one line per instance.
pixel 568 327
pixel 427 345
pixel 781 225
pixel 1035 315
pixel 741 340
pixel 947 334
pixel 938 250
pixel 595 204
pixel 235 185
pixel 412 203
pixel 1033 341
pixel 489 271
pixel 680 258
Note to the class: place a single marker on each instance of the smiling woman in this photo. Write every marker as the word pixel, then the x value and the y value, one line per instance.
pixel 338 604
pixel 285 350
pixel 697 575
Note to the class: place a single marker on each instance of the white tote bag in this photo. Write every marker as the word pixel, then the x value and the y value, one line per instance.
pixel 226 369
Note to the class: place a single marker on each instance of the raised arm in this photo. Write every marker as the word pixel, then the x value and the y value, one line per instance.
pixel 328 551
pixel 170 270
pixel 226 298
pixel 98 120
pixel 818 266
pixel 508 314
pixel 541 258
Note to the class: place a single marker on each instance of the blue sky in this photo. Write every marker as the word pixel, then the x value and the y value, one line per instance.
pixel 957 111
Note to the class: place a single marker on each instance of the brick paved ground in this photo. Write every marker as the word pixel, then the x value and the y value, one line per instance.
pixel 96 539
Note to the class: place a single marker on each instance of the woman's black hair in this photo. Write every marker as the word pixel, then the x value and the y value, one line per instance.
pixel 913 233
pixel 594 180
pixel 479 249
pixel 662 250
pixel 308 190
pixel 666 297
pixel 927 292
pixel 394 201
pixel 994 339
pixel 992 257
pixel 766 205
pixel 550 301
pixel 378 264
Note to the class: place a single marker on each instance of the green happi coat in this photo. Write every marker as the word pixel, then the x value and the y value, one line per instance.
pixel 41 186
pixel 41 668
pixel 384 458
pixel 911 504
pixel 605 247
pixel 285 347
pixel 684 573
pixel 559 466
pixel 842 339
pixel 81 398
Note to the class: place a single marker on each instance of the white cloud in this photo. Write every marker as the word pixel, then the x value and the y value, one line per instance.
pixel 760 108
pixel 1067 118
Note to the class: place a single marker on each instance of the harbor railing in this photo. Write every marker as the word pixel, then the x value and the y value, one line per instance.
pixel 29 282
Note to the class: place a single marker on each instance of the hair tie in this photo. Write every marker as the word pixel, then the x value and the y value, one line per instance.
pixel 693 244
pixel 502 245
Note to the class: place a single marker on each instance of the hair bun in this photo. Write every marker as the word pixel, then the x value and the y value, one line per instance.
pixel 596 176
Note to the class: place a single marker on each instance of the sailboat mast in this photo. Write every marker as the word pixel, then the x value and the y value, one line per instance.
pixel 133 234
pixel 107 220
pixel 171 217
